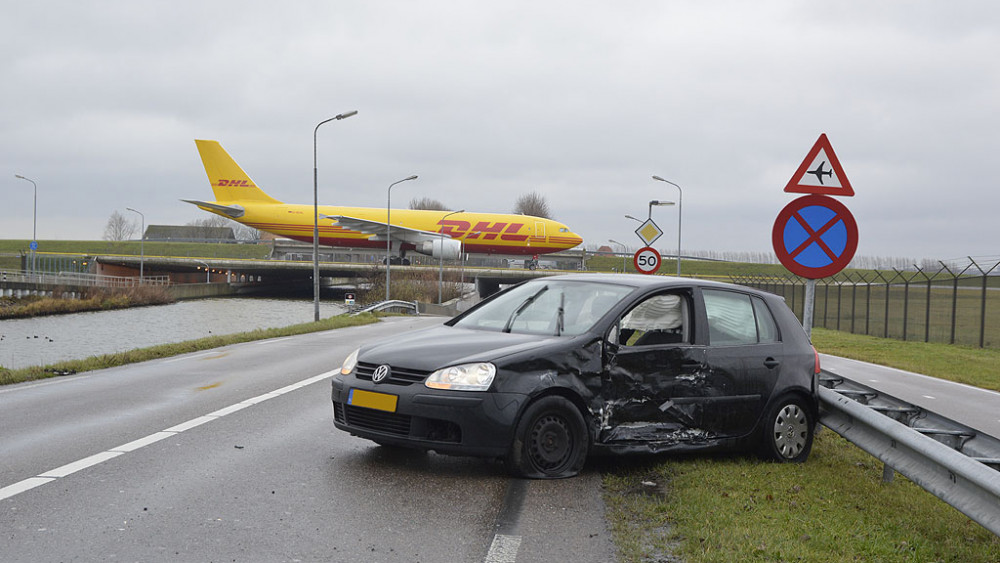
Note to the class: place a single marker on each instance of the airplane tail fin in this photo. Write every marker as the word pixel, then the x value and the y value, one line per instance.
pixel 229 181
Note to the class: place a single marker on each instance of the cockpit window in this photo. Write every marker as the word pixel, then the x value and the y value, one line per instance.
pixel 559 308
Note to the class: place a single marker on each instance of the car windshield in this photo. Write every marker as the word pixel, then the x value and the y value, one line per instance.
pixel 547 306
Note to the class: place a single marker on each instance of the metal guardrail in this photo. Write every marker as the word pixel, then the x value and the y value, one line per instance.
pixel 80 279
pixel 955 463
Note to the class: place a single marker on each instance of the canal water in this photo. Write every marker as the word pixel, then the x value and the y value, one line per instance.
pixel 46 340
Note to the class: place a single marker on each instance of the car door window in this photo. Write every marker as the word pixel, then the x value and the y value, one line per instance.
pixel 736 319
pixel 731 320
pixel 660 319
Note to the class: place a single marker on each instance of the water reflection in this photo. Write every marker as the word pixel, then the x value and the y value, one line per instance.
pixel 45 340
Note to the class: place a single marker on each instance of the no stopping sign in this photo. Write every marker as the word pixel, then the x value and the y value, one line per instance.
pixel 815 236
pixel 646 260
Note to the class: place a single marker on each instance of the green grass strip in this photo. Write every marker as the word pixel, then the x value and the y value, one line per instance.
pixel 705 508
pixel 834 507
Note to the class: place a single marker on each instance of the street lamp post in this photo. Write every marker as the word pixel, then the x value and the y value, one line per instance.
pixel 208 271
pixel 441 265
pixel 624 251
pixel 142 238
pixel 680 196
pixel 316 213
pixel 34 221
pixel 388 232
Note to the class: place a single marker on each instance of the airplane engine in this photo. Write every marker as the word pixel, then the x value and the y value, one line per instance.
pixel 449 249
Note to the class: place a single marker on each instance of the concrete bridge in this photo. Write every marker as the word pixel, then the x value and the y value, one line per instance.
pixel 250 273
pixel 232 275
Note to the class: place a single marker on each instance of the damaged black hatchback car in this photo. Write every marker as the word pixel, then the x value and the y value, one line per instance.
pixel 552 369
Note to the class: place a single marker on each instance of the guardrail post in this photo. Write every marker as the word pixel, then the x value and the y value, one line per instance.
pixel 888 473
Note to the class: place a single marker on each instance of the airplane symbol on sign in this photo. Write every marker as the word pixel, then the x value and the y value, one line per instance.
pixel 819 173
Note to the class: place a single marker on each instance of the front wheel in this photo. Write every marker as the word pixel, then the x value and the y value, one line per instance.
pixel 551 441
pixel 788 431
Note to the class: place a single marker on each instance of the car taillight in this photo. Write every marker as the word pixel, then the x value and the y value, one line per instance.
pixel 816 354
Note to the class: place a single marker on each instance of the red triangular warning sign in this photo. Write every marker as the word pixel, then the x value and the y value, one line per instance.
pixel 820 173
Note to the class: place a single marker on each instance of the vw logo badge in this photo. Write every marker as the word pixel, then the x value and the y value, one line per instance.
pixel 380 374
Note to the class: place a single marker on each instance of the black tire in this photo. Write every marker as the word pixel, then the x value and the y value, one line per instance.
pixel 787 433
pixel 551 441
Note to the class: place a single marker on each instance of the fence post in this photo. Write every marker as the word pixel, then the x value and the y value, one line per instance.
pixel 840 286
pixel 906 301
pixel 868 307
pixel 854 301
pixel 826 301
pixel 927 306
pixel 982 304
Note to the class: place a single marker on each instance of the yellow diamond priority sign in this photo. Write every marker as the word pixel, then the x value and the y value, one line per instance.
pixel 648 232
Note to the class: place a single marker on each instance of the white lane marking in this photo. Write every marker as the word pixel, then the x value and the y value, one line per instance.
pixel 81 464
pixel 192 356
pixel 98 458
pixel 26 485
pixel 928 397
pixel 503 549
pixel 273 340
pixel 42 383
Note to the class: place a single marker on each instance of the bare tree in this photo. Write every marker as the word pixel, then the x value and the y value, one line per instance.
pixel 533 204
pixel 119 227
pixel 245 232
pixel 428 203
pixel 240 231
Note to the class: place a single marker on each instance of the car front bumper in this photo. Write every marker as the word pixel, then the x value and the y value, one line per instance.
pixel 448 422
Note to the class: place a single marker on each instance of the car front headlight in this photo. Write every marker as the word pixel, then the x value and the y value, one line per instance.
pixel 350 363
pixel 466 377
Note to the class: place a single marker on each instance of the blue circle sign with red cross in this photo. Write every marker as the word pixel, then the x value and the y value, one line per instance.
pixel 815 236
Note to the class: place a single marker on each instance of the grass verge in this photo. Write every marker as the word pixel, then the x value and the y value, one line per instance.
pixel 736 508
pixel 834 507
pixel 8 376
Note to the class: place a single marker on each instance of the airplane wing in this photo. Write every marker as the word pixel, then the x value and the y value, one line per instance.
pixel 378 229
pixel 232 211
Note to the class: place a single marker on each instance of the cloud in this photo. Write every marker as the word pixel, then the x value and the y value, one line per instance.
pixel 580 101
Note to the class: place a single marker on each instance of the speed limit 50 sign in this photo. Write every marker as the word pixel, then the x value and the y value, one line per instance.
pixel 646 260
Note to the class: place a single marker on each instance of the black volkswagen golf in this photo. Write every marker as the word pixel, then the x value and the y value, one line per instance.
pixel 550 370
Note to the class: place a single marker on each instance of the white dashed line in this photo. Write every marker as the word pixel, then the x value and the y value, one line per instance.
pixel 503 549
pixel 90 461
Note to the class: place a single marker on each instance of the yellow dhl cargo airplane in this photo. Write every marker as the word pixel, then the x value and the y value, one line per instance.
pixel 425 232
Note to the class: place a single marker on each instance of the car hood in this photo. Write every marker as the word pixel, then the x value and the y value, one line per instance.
pixel 437 347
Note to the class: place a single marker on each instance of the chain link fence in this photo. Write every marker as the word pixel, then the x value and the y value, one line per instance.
pixel 943 304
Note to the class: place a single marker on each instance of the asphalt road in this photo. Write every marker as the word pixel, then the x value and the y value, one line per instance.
pixel 231 455
pixel 974 407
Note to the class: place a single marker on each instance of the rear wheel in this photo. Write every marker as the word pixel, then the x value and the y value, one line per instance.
pixel 550 442
pixel 788 431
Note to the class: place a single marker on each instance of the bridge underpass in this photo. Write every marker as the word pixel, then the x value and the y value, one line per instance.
pixel 251 274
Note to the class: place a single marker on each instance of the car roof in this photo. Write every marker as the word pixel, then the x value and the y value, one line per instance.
pixel 646 281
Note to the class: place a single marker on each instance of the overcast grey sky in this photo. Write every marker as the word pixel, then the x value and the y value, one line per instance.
pixel 580 101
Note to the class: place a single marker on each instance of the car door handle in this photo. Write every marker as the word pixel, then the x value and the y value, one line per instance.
pixel 771 363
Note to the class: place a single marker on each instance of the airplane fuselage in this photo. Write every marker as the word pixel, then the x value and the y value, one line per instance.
pixel 487 233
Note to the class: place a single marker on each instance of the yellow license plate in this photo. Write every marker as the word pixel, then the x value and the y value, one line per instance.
pixel 372 400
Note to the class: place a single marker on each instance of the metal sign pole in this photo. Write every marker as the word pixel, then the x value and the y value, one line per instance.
pixel 808 306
